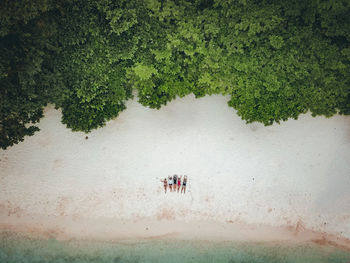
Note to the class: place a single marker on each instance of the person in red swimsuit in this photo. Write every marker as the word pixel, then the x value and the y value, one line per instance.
pixel 179 183
pixel 165 181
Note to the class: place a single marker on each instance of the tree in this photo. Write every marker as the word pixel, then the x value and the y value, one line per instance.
pixel 25 70
pixel 96 49
pixel 275 59
pixel 283 61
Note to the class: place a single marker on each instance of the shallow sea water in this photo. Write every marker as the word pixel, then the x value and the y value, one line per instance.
pixel 24 249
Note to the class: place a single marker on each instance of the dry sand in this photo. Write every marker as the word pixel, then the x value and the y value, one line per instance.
pixel 246 182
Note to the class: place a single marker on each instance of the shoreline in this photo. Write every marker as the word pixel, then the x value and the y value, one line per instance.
pixel 116 230
pixel 14 247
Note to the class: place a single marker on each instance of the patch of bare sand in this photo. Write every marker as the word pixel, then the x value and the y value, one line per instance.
pixel 162 227
pixel 246 182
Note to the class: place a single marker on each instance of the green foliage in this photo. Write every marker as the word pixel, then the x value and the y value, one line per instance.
pixel 26 74
pixel 275 59
pixel 283 61
pixel 93 61
pixel 144 72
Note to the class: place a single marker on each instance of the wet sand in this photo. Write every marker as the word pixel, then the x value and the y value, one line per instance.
pixel 65 228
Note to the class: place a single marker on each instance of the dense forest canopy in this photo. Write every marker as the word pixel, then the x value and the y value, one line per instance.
pixel 275 59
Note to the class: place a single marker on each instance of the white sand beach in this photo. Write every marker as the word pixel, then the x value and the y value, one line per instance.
pixel 246 182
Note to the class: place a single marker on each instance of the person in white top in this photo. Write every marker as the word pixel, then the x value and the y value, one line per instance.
pixel 170 182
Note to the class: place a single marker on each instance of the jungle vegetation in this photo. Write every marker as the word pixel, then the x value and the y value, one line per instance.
pixel 274 59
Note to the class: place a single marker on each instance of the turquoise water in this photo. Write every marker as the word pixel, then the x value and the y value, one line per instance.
pixel 23 249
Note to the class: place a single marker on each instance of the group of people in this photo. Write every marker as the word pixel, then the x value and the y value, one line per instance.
pixel 175 183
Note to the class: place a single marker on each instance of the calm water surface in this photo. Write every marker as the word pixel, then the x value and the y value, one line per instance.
pixel 24 249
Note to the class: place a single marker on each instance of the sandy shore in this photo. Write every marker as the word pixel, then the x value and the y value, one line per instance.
pixel 65 228
pixel 246 182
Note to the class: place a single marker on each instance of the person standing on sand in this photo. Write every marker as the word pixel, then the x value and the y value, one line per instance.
pixel 175 182
pixel 179 183
pixel 170 182
pixel 165 181
pixel 184 184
